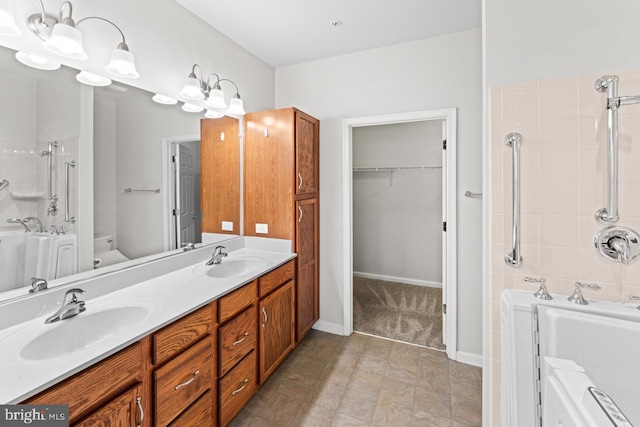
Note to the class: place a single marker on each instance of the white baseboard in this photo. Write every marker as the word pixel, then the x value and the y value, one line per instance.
pixel 332 328
pixel 397 279
pixel 469 358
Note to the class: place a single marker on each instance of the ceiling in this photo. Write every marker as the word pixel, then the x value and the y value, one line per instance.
pixel 284 32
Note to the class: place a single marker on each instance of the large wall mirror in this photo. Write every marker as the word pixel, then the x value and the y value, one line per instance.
pixel 94 179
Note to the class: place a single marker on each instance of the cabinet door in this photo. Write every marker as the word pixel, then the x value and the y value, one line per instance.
pixel 307 154
pixel 269 173
pixel 277 331
pixel 307 247
pixel 123 411
pixel 220 169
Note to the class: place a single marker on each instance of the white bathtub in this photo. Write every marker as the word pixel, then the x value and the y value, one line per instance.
pixel 26 255
pixel 12 261
pixel 602 338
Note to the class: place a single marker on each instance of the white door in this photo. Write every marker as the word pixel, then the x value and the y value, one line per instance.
pixel 444 233
pixel 186 172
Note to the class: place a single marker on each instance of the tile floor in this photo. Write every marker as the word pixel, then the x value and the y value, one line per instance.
pixel 360 380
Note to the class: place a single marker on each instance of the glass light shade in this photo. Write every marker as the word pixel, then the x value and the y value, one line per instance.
pixel 235 107
pixel 191 89
pixel 163 99
pixel 192 108
pixel 36 61
pixel 122 64
pixel 212 114
pixel 66 41
pixel 216 99
pixel 92 79
pixel 8 25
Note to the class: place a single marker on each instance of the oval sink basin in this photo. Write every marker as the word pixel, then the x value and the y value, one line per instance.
pixel 236 267
pixel 78 333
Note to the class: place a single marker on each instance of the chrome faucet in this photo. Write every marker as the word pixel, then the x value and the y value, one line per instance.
pixel 37 285
pixel 542 292
pixel 188 246
pixel 217 256
pixel 577 297
pixel 71 306
pixel 19 221
pixel 36 221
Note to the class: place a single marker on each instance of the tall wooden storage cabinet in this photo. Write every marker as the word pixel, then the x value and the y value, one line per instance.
pixel 281 195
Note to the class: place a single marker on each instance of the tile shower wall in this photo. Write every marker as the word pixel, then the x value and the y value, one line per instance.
pixel 563 183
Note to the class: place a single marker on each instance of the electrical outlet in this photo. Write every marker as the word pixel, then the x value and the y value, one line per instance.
pixel 262 228
pixel 227 225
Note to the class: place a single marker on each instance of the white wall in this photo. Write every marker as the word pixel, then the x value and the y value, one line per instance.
pixel 427 74
pixel 527 41
pixel 141 125
pixel 104 167
pixel 166 40
pixel 397 217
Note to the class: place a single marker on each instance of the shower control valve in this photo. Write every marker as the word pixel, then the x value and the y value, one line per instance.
pixel 542 292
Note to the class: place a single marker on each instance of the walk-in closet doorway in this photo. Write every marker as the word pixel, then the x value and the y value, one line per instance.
pixel 400 270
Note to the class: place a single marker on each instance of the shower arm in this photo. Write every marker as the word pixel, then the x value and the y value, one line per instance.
pixel 609 84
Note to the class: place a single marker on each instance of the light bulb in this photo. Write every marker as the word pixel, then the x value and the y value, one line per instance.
pixel 122 64
pixel 216 99
pixel 92 79
pixel 66 41
pixel 191 108
pixel 36 61
pixel 236 107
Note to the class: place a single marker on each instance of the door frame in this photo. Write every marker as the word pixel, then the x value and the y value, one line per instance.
pixel 449 202
pixel 168 196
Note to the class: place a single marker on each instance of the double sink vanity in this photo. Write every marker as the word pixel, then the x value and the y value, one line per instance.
pixel 168 342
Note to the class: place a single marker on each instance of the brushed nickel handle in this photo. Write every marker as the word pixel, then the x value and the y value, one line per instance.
pixel 241 339
pixel 264 313
pixel 140 410
pixel 299 180
pixel 195 374
pixel 300 216
pixel 244 384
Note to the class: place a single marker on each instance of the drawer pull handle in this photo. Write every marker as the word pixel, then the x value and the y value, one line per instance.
pixel 140 410
pixel 195 374
pixel 244 384
pixel 264 313
pixel 300 180
pixel 241 339
pixel 300 216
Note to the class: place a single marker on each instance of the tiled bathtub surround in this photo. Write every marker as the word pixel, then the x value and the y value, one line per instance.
pixel 563 183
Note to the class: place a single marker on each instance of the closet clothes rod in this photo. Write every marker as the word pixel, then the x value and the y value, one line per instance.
pixel 130 190
pixel 395 168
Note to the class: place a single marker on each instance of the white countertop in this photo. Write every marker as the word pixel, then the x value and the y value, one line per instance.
pixel 166 298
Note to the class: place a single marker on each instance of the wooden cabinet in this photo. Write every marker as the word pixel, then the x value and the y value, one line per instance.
pixel 220 174
pixel 281 191
pixel 237 348
pixel 277 332
pixel 101 389
pixel 123 410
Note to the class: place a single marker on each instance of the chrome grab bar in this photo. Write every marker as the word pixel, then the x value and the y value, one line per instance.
pixel 67 215
pixel 513 140
pixel 49 154
pixel 610 85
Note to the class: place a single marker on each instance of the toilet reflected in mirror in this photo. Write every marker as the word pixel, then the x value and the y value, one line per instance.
pixel 105 253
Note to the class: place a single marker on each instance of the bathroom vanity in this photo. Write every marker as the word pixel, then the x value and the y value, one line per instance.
pixel 190 347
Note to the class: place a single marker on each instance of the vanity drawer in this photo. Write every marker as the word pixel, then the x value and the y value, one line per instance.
pixel 199 414
pixel 237 338
pixel 277 277
pixel 181 381
pixel 96 384
pixel 182 333
pixel 237 387
pixel 233 303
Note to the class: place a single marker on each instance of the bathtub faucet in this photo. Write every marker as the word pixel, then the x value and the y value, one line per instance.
pixel 19 221
pixel 36 221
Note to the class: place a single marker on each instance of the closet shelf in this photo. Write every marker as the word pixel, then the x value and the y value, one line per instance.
pixel 395 168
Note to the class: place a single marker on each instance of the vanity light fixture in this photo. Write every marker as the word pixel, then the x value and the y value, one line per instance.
pixel 92 79
pixel 196 87
pixel 8 25
pixel 60 36
pixel 191 108
pixel 163 99
pixel 37 61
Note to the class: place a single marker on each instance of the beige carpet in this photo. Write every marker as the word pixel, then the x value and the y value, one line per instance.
pixel 398 311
